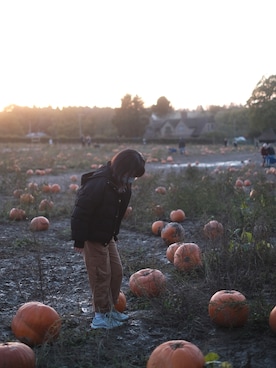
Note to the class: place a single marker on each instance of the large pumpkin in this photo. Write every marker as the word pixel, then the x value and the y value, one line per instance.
pixel 35 323
pixel 228 308
pixel 176 354
pixel 147 282
pixel 272 319
pixel 120 306
pixel 187 257
pixel 213 229
pixel 39 223
pixel 16 354
pixel 173 232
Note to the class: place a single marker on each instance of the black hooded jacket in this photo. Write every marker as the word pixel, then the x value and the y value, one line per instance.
pixel 99 208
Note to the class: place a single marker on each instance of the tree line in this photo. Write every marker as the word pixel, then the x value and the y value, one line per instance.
pixel 131 118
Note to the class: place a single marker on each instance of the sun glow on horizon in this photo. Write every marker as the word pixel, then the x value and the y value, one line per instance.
pixel 64 53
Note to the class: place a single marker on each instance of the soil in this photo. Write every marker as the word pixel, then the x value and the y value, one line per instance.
pixel 44 267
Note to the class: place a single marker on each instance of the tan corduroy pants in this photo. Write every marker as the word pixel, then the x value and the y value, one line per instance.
pixel 105 273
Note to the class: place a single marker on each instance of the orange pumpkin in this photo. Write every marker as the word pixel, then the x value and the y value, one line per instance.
pixel 120 306
pixel 45 205
pixel 187 257
pixel 228 308
pixel 173 232
pixel 213 229
pixel 147 282
pixel 176 354
pixel 39 223
pixel 157 227
pixel 35 323
pixel 55 188
pixel 177 215
pixel 26 198
pixel 73 187
pixel 17 214
pixel 17 193
pixel 16 354
pixel 171 250
pixel 272 319
pixel 161 190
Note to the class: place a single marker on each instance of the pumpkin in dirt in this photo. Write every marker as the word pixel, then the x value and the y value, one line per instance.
pixel 120 306
pixel 187 257
pixel 173 232
pixel 36 323
pixel 228 308
pixel 45 205
pixel 147 282
pixel 161 190
pixel 73 187
pixel 171 250
pixel 17 214
pixel 272 319
pixel 17 355
pixel 39 223
pixel 177 215
pixel 26 198
pixel 157 227
pixel 213 229
pixel 176 354
pixel 55 188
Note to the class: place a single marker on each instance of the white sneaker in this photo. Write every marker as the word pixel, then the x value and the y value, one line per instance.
pixel 117 316
pixel 105 321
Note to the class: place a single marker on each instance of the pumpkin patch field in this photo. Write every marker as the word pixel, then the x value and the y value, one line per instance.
pixel 198 285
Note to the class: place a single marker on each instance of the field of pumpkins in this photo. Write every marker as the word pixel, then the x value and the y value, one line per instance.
pixel 198 251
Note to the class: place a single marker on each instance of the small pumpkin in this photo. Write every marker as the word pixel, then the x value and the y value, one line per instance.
pixel 45 205
pixel 171 250
pixel 35 323
pixel 213 229
pixel 39 223
pixel 26 198
pixel 16 354
pixel 17 214
pixel 147 282
pixel 272 319
pixel 73 187
pixel 177 354
pixel 55 188
pixel 187 257
pixel 173 232
pixel 157 227
pixel 161 190
pixel 228 308
pixel 120 306
pixel 177 215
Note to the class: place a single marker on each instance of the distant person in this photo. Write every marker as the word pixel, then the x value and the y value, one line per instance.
pixel 181 146
pixel 264 153
pixel 83 141
pixel 235 144
pixel 88 140
pixel 225 141
pixel 271 159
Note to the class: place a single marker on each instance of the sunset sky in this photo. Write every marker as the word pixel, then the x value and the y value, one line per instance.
pixel 93 52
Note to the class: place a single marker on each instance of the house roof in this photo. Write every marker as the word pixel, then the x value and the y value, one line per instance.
pixel 268 136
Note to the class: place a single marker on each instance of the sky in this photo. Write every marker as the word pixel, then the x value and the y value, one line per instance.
pixel 63 53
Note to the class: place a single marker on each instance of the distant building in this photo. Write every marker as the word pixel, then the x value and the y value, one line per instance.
pixel 180 124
